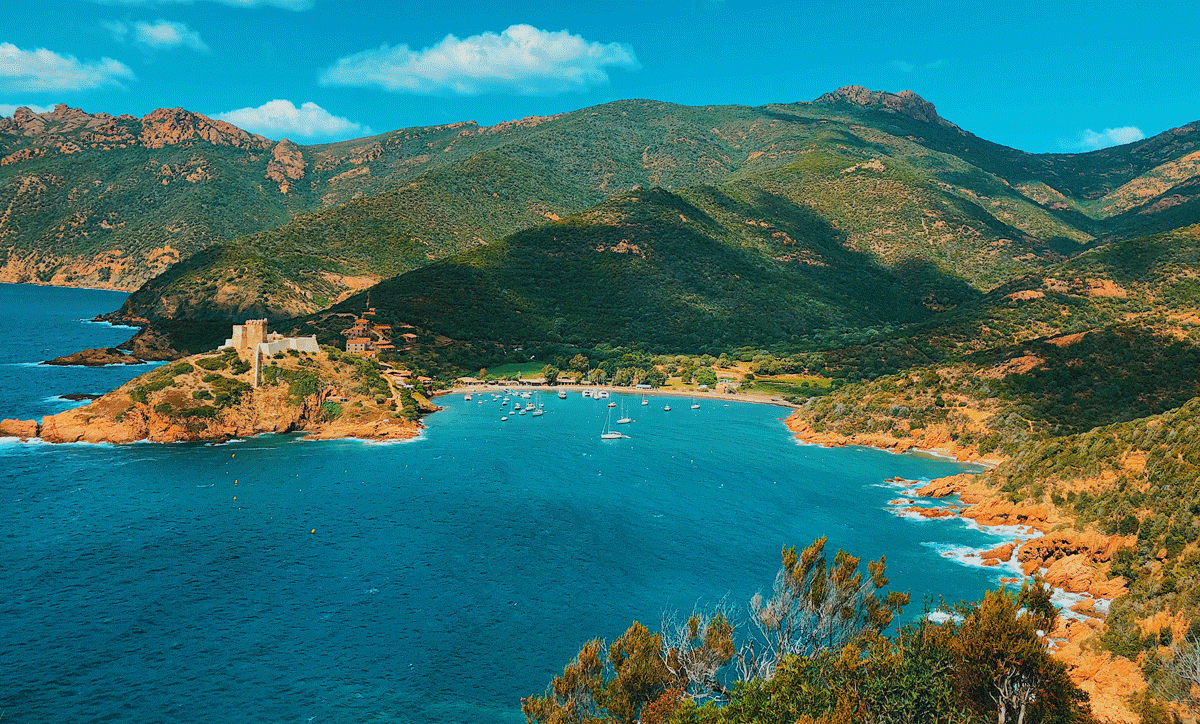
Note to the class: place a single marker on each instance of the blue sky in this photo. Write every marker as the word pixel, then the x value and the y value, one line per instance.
pixel 1037 76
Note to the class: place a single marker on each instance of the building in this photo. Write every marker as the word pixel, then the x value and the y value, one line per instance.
pixel 254 341
pixel 367 339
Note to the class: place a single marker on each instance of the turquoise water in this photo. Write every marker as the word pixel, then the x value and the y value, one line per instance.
pixel 447 577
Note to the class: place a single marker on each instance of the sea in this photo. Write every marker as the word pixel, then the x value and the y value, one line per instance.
pixel 438 580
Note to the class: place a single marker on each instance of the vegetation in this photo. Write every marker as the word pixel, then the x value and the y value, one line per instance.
pixel 815 651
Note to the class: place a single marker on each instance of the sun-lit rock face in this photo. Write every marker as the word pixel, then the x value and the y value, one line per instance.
pixel 906 102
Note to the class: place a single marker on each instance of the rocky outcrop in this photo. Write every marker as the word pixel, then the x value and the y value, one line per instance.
pixel 905 102
pixel 174 126
pixel 149 343
pixel 211 397
pixel 934 439
pixel 100 357
pixel 286 165
pixel 23 429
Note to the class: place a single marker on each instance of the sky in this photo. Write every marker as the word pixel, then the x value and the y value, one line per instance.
pixel 1038 76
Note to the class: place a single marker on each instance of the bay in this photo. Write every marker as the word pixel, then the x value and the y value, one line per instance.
pixel 437 580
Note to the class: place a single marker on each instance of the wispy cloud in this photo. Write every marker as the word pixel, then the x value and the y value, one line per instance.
pixel 161 35
pixel 281 118
pixel 44 70
pixel 906 67
pixel 521 59
pixel 7 109
pixel 284 4
pixel 1091 140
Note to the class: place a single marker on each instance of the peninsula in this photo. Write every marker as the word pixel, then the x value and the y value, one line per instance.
pixel 258 382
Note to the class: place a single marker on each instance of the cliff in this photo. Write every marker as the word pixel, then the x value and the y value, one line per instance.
pixel 210 397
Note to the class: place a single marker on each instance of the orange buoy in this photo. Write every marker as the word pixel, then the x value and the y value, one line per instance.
pixel 314 530
pixel 235 497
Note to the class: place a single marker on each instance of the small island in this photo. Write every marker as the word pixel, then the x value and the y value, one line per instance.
pixel 257 382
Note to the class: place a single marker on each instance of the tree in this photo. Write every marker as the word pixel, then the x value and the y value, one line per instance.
pixel 1183 670
pixel 605 683
pixel 695 650
pixel 1002 662
pixel 483 373
pixel 571 698
pixel 817 606
pixel 550 372
pixel 579 363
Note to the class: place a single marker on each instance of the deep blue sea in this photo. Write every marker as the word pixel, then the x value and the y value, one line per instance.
pixel 446 578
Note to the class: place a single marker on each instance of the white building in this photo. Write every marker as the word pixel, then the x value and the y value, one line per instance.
pixel 254 339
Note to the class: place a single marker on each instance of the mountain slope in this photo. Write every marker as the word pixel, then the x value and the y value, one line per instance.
pixel 864 156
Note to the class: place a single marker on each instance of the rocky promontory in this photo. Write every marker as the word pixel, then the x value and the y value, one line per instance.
pixel 212 397
pixel 99 357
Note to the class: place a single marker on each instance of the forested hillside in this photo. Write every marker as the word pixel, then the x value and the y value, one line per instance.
pixel 901 185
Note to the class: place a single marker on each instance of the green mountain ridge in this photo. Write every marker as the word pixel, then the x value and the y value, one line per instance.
pixel 1007 217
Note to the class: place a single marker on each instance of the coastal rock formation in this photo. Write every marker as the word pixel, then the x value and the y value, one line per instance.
pixel 99 357
pixel 23 429
pixel 212 397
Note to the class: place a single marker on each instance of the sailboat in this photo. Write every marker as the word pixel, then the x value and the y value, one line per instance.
pixel 644 400
pixel 624 420
pixel 562 394
pixel 607 434
pixel 695 405
pixel 667 408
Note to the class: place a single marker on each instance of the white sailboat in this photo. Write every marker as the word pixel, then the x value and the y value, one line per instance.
pixel 562 394
pixel 695 405
pixel 644 400
pixel 607 434
pixel 667 407
pixel 624 420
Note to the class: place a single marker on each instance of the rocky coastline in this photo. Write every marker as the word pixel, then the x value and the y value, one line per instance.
pixel 100 357
pixel 1074 562
pixel 211 398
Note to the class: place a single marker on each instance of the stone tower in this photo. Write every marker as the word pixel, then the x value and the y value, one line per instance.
pixel 256 333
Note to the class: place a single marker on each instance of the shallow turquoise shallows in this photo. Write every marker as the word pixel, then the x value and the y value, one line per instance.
pixel 447 576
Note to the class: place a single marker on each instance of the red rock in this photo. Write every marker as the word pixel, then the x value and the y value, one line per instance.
pixel 23 429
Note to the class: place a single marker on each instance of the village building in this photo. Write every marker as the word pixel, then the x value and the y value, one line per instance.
pixel 367 339
pixel 252 340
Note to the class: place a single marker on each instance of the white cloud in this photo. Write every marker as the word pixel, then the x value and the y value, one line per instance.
pixel 1110 137
pixel 280 118
pixel 522 59
pixel 161 35
pixel 7 109
pixel 283 4
pixel 44 70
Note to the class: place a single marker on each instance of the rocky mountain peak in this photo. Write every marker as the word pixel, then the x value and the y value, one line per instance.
pixel 905 102
pixel 172 126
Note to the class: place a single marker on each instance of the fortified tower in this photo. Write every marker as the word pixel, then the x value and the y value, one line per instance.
pixel 256 333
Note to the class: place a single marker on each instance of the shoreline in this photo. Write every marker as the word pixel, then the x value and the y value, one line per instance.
pixel 750 397
pixel 898 446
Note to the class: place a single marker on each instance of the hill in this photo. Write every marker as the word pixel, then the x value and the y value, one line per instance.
pixel 902 184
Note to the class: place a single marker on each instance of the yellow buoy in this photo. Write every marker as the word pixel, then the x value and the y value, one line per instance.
pixel 233 455
pixel 235 497
pixel 314 530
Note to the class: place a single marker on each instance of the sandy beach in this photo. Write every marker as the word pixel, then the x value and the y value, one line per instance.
pixel 655 392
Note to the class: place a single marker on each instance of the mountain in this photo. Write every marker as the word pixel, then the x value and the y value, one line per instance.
pixel 986 212
pixel 111 201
